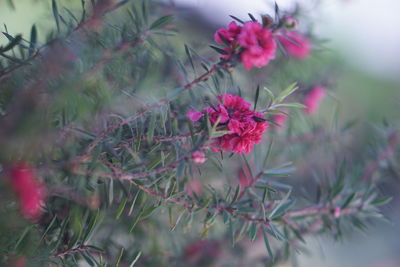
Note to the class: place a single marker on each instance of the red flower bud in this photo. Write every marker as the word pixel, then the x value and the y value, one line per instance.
pixel 30 191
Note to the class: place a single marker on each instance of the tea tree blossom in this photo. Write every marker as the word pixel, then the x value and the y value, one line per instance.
pixel 29 190
pixel 295 44
pixel 245 126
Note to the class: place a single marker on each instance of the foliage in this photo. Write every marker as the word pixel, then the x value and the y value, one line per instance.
pixel 99 111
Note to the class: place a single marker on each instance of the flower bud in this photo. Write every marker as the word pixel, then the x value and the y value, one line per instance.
pixel 290 23
pixel 199 157
pixel 336 212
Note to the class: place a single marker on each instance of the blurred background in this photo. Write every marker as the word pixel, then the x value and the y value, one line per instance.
pixel 362 35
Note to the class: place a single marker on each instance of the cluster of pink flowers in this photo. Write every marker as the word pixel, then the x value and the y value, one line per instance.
pixel 30 191
pixel 256 44
pixel 245 126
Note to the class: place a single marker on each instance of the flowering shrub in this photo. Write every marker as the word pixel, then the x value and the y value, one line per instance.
pixel 98 112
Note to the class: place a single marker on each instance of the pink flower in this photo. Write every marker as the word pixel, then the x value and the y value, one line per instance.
pixel 245 127
pixel 314 98
pixel 201 250
pixel 280 119
pixel 295 44
pixel 30 192
pixel 228 36
pixel 199 157
pixel 194 186
pixel 194 115
pixel 258 45
pixel 245 178
pixel 337 212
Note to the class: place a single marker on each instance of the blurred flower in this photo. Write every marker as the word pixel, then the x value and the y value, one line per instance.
pixel 295 44
pixel 245 178
pixel 199 157
pixel 245 127
pixel 20 262
pixel 202 251
pixel 30 191
pixel 194 115
pixel 336 212
pixel 280 119
pixel 258 43
pixel 314 98
pixel 194 186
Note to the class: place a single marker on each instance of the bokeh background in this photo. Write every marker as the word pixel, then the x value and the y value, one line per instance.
pixel 363 36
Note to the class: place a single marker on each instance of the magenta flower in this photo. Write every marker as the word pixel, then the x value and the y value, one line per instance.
pixel 30 192
pixel 228 36
pixel 314 98
pixel 194 115
pixel 295 44
pixel 245 127
pixel 258 43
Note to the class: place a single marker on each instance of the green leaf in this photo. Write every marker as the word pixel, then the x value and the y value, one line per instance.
pixel 280 172
pixel 133 202
pixel 285 93
pixel 270 96
pixel 283 208
pixel 256 97
pixel 349 199
pixel 236 195
pixel 382 201
pixel 218 134
pixel 237 19
pixel 152 125
pixel 135 259
pixel 119 257
pixel 49 227
pixel 22 236
pixel 137 219
pixel 121 208
pixel 289 105
pixel 94 219
pixel 281 203
pixel 188 54
pixel 298 235
pixel 161 22
pixel 253 231
pixel 219 50
pixel 13 42
pixel 231 230
pixel 55 14
pixel 267 245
